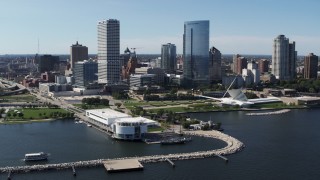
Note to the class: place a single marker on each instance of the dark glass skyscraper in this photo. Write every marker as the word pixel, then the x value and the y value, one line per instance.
pixel 168 58
pixel 85 73
pixel 195 52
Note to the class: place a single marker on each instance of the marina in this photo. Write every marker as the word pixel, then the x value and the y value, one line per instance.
pixel 253 131
pixel 127 163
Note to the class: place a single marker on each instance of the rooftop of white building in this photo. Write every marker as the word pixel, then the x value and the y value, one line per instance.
pixel 136 120
pixel 108 113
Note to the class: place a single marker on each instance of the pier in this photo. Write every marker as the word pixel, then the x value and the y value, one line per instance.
pixel 74 171
pixel 127 163
pixel 169 161
pixel 122 165
pixel 222 157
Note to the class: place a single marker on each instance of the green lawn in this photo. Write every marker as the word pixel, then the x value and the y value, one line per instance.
pixel 92 106
pixel 154 129
pixel 18 98
pixel 37 113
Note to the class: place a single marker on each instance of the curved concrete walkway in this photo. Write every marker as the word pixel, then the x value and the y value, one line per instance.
pixel 233 146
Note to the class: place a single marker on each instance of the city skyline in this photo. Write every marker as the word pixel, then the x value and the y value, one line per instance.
pixel 245 27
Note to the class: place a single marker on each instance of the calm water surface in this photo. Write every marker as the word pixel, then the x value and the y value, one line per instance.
pixel 282 146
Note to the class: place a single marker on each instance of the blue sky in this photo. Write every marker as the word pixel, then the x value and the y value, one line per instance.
pixel 236 26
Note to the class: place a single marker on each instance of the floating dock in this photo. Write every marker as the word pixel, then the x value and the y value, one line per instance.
pixel 122 165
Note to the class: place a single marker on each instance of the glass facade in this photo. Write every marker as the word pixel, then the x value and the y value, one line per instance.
pixel 85 73
pixel 195 52
pixel 168 58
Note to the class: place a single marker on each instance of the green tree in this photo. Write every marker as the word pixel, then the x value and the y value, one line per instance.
pixel 20 115
pixel 118 105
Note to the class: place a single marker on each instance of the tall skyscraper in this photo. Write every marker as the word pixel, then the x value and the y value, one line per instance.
pixel 78 53
pixel 168 58
pixel 195 53
pixel 284 59
pixel 214 65
pixel 310 66
pixel 109 69
pixel 85 72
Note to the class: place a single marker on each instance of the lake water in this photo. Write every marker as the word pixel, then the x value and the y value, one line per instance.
pixel 284 146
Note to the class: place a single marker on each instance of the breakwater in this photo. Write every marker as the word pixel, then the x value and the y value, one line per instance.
pixel 269 113
pixel 233 146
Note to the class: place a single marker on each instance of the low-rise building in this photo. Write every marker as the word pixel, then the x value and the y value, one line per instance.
pixel 123 126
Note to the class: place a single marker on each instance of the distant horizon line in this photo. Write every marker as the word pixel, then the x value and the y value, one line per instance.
pixel 120 54
pixel 227 54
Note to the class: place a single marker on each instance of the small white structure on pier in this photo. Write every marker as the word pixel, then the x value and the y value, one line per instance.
pixel 123 126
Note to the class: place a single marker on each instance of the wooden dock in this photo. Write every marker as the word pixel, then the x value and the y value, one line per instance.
pixel 122 165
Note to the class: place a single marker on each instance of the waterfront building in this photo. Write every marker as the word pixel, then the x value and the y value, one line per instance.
pixel 168 58
pixel 48 63
pixel 195 53
pixel 214 64
pixel 310 66
pixel 284 58
pixel 85 73
pixel 109 68
pixel 122 125
pixel 263 65
pixel 78 53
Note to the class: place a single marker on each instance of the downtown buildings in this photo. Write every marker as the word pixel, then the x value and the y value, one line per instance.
pixel 310 66
pixel 195 53
pixel 85 73
pixel 109 68
pixel 78 53
pixel 168 58
pixel 284 59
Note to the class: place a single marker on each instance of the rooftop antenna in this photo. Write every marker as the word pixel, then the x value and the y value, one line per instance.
pixel 38 46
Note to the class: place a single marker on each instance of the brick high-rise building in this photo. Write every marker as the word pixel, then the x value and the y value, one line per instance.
pixel 263 65
pixel 310 66
pixel 78 53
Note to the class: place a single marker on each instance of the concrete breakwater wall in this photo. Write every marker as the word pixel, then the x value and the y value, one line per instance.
pixel 233 146
pixel 269 113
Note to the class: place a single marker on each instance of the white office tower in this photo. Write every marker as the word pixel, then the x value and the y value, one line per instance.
pixel 284 58
pixel 109 68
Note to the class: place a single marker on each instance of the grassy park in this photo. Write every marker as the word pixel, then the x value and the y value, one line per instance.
pixel 26 114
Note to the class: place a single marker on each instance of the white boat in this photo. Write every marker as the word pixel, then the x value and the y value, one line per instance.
pixel 89 125
pixel 36 156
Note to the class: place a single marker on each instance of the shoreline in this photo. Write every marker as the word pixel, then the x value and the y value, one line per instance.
pixel 30 121
pixel 246 109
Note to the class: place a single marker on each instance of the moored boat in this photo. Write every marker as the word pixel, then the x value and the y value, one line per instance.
pixel 36 156
pixel 175 141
